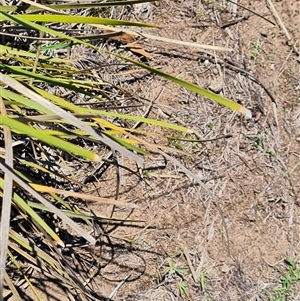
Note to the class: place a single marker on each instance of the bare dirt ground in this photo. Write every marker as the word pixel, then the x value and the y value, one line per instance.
pixel 179 251
pixel 254 174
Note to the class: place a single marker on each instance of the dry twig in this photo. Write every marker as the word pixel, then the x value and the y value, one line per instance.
pixel 282 26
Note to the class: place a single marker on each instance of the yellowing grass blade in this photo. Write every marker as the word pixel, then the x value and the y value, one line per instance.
pixel 201 91
pixel 22 204
pixel 42 188
pixel 81 20
pixel 159 123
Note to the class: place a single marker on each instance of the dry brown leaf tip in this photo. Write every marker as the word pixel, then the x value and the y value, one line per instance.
pixel 130 43
pixel 136 48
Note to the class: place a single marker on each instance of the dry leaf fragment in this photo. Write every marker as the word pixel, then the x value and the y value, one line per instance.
pixel 129 42
pixel 123 38
pixel 136 48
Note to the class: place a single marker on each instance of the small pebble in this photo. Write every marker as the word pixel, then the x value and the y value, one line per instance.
pixel 217 85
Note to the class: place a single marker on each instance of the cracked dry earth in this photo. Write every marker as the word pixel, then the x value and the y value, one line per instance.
pixel 179 250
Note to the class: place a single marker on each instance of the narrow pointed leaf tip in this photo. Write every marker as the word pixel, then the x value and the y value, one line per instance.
pixel 247 113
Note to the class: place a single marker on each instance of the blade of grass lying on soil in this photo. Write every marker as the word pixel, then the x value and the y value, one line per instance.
pixel 84 216
pixel 16 263
pixel 201 91
pixel 162 39
pixel 42 188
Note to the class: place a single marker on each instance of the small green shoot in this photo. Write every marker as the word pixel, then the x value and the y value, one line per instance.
pixel 172 142
pixel 183 290
pixel 173 269
pixel 202 277
pixel 273 34
pixel 285 290
pixel 207 297
pixel 256 49
pixel 211 125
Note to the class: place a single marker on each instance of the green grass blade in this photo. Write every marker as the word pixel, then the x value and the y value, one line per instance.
pixel 48 139
pixel 192 87
pixel 140 119
pixel 71 119
pixel 7 51
pixel 69 106
pixel 9 95
pixel 32 8
pixel 83 216
pixel 81 20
